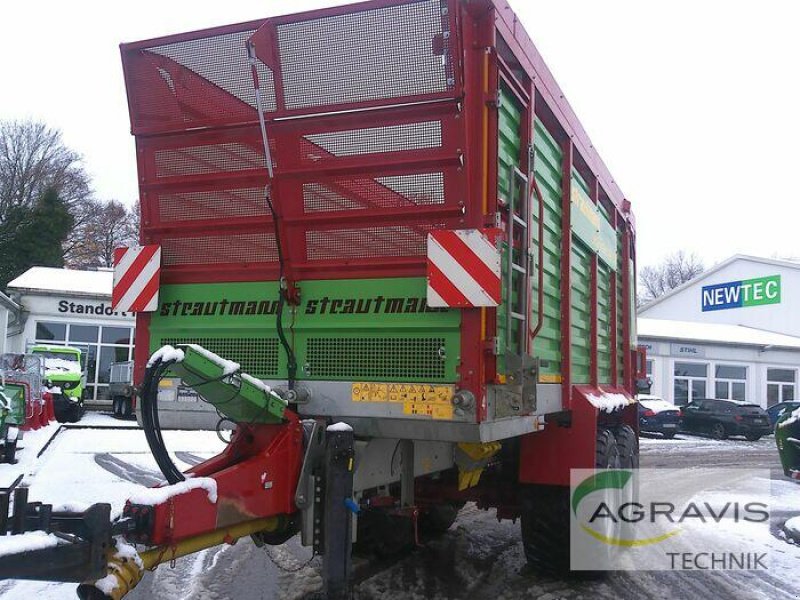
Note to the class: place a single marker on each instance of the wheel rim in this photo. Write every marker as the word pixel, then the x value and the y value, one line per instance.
pixel 718 431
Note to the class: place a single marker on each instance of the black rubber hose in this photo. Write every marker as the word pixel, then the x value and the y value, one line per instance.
pixel 151 424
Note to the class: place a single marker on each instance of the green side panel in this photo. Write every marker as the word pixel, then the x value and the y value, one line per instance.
pixel 590 222
pixel 580 263
pixel 16 396
pixel 547 164
pixel 343 330
pixel 604 324
pixel 509 149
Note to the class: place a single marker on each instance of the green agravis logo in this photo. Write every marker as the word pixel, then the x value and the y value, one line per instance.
pixel 614 481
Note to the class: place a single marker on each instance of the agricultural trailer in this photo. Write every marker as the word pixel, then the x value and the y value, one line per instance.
pixel 384 246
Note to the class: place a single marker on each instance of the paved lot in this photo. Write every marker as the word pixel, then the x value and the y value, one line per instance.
pixel 478 559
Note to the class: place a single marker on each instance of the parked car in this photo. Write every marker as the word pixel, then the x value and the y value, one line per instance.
pixel 656 415
pixel 723 418
pixel 775 411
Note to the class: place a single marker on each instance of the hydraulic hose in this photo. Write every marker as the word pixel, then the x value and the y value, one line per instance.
pixel 150 423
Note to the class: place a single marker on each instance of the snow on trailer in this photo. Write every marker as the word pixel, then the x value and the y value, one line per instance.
pixel 312 181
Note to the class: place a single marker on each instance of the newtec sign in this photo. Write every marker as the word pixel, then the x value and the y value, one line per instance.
pixel 738 294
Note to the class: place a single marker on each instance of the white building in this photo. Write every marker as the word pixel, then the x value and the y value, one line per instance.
pixel 67 307
pixel 8 310
pixel 732 332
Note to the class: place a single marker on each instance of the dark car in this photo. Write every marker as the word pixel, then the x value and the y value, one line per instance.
pixel 658 416
pixel 723 418
pixel 776 410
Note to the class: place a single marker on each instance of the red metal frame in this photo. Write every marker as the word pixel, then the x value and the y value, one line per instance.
pixel 196 137
pixel 566 275
pixel 256 476
pixel 627 367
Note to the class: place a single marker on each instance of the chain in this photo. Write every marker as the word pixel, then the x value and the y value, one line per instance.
pixel 283 567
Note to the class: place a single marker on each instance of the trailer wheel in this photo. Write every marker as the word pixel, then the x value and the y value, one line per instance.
pixel 545 519
pixel 628 446
pixel 436 520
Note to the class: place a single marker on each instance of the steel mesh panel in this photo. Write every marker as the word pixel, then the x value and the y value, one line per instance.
pixel 413 359
pixel 371 140
pixel 229 248
pixel 222 60
pixel 368 242
pixel 216 204
pixel 391 52
pixel 203 160
pixel 396 191
pixel 257 356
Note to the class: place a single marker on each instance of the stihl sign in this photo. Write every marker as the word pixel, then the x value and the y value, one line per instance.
pixel 136 278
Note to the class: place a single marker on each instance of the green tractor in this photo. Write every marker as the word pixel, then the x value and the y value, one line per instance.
pixel 65 372
pixel 787 437
pixel 12 417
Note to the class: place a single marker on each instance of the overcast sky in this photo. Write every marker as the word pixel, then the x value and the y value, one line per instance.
pixel 693 105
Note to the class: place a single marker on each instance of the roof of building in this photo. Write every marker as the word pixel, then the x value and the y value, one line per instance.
pixel 7 302
pixel 708 272
pixel 713 333
pixel 66 281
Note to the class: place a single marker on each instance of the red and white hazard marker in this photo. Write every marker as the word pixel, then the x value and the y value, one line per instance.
pixel 463 269
pixel 136 277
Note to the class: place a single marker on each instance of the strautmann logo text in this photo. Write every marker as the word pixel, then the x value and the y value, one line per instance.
pixel 668 519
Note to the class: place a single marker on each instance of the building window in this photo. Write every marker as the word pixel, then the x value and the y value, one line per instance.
pixel 51 332
pixel 730 382
pixel 650 367
pixel 780 385
pixel 102 345
pixel 689 383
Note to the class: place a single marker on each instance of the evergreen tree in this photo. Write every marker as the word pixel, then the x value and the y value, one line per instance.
pixel 34 236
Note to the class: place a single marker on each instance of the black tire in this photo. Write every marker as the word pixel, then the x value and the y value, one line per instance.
pixel 545 521
pixel 669 436
pixel 752 437
pixel 10 452
pixel 127 408
pixel 75 413
pixel 436 520
pixel 628 446
pixel 116 407
pixel 718 431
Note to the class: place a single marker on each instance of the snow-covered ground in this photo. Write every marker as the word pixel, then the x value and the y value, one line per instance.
pixel 478 559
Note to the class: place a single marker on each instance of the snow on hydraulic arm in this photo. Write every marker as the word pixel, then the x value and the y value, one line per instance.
pixel 249 489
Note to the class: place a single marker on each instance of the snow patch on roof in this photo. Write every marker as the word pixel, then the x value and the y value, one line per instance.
pixel 713 333
pixel 57 366
pixel 98 283
pixel 339 427
pixel 657 405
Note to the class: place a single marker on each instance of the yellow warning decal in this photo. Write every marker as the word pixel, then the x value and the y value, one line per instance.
pixel 432 401
pixel 549 378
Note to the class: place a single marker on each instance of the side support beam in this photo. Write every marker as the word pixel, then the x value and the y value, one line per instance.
pixel 338 520
pixel 566 275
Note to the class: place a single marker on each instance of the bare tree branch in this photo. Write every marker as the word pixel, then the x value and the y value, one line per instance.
pixel 676 269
